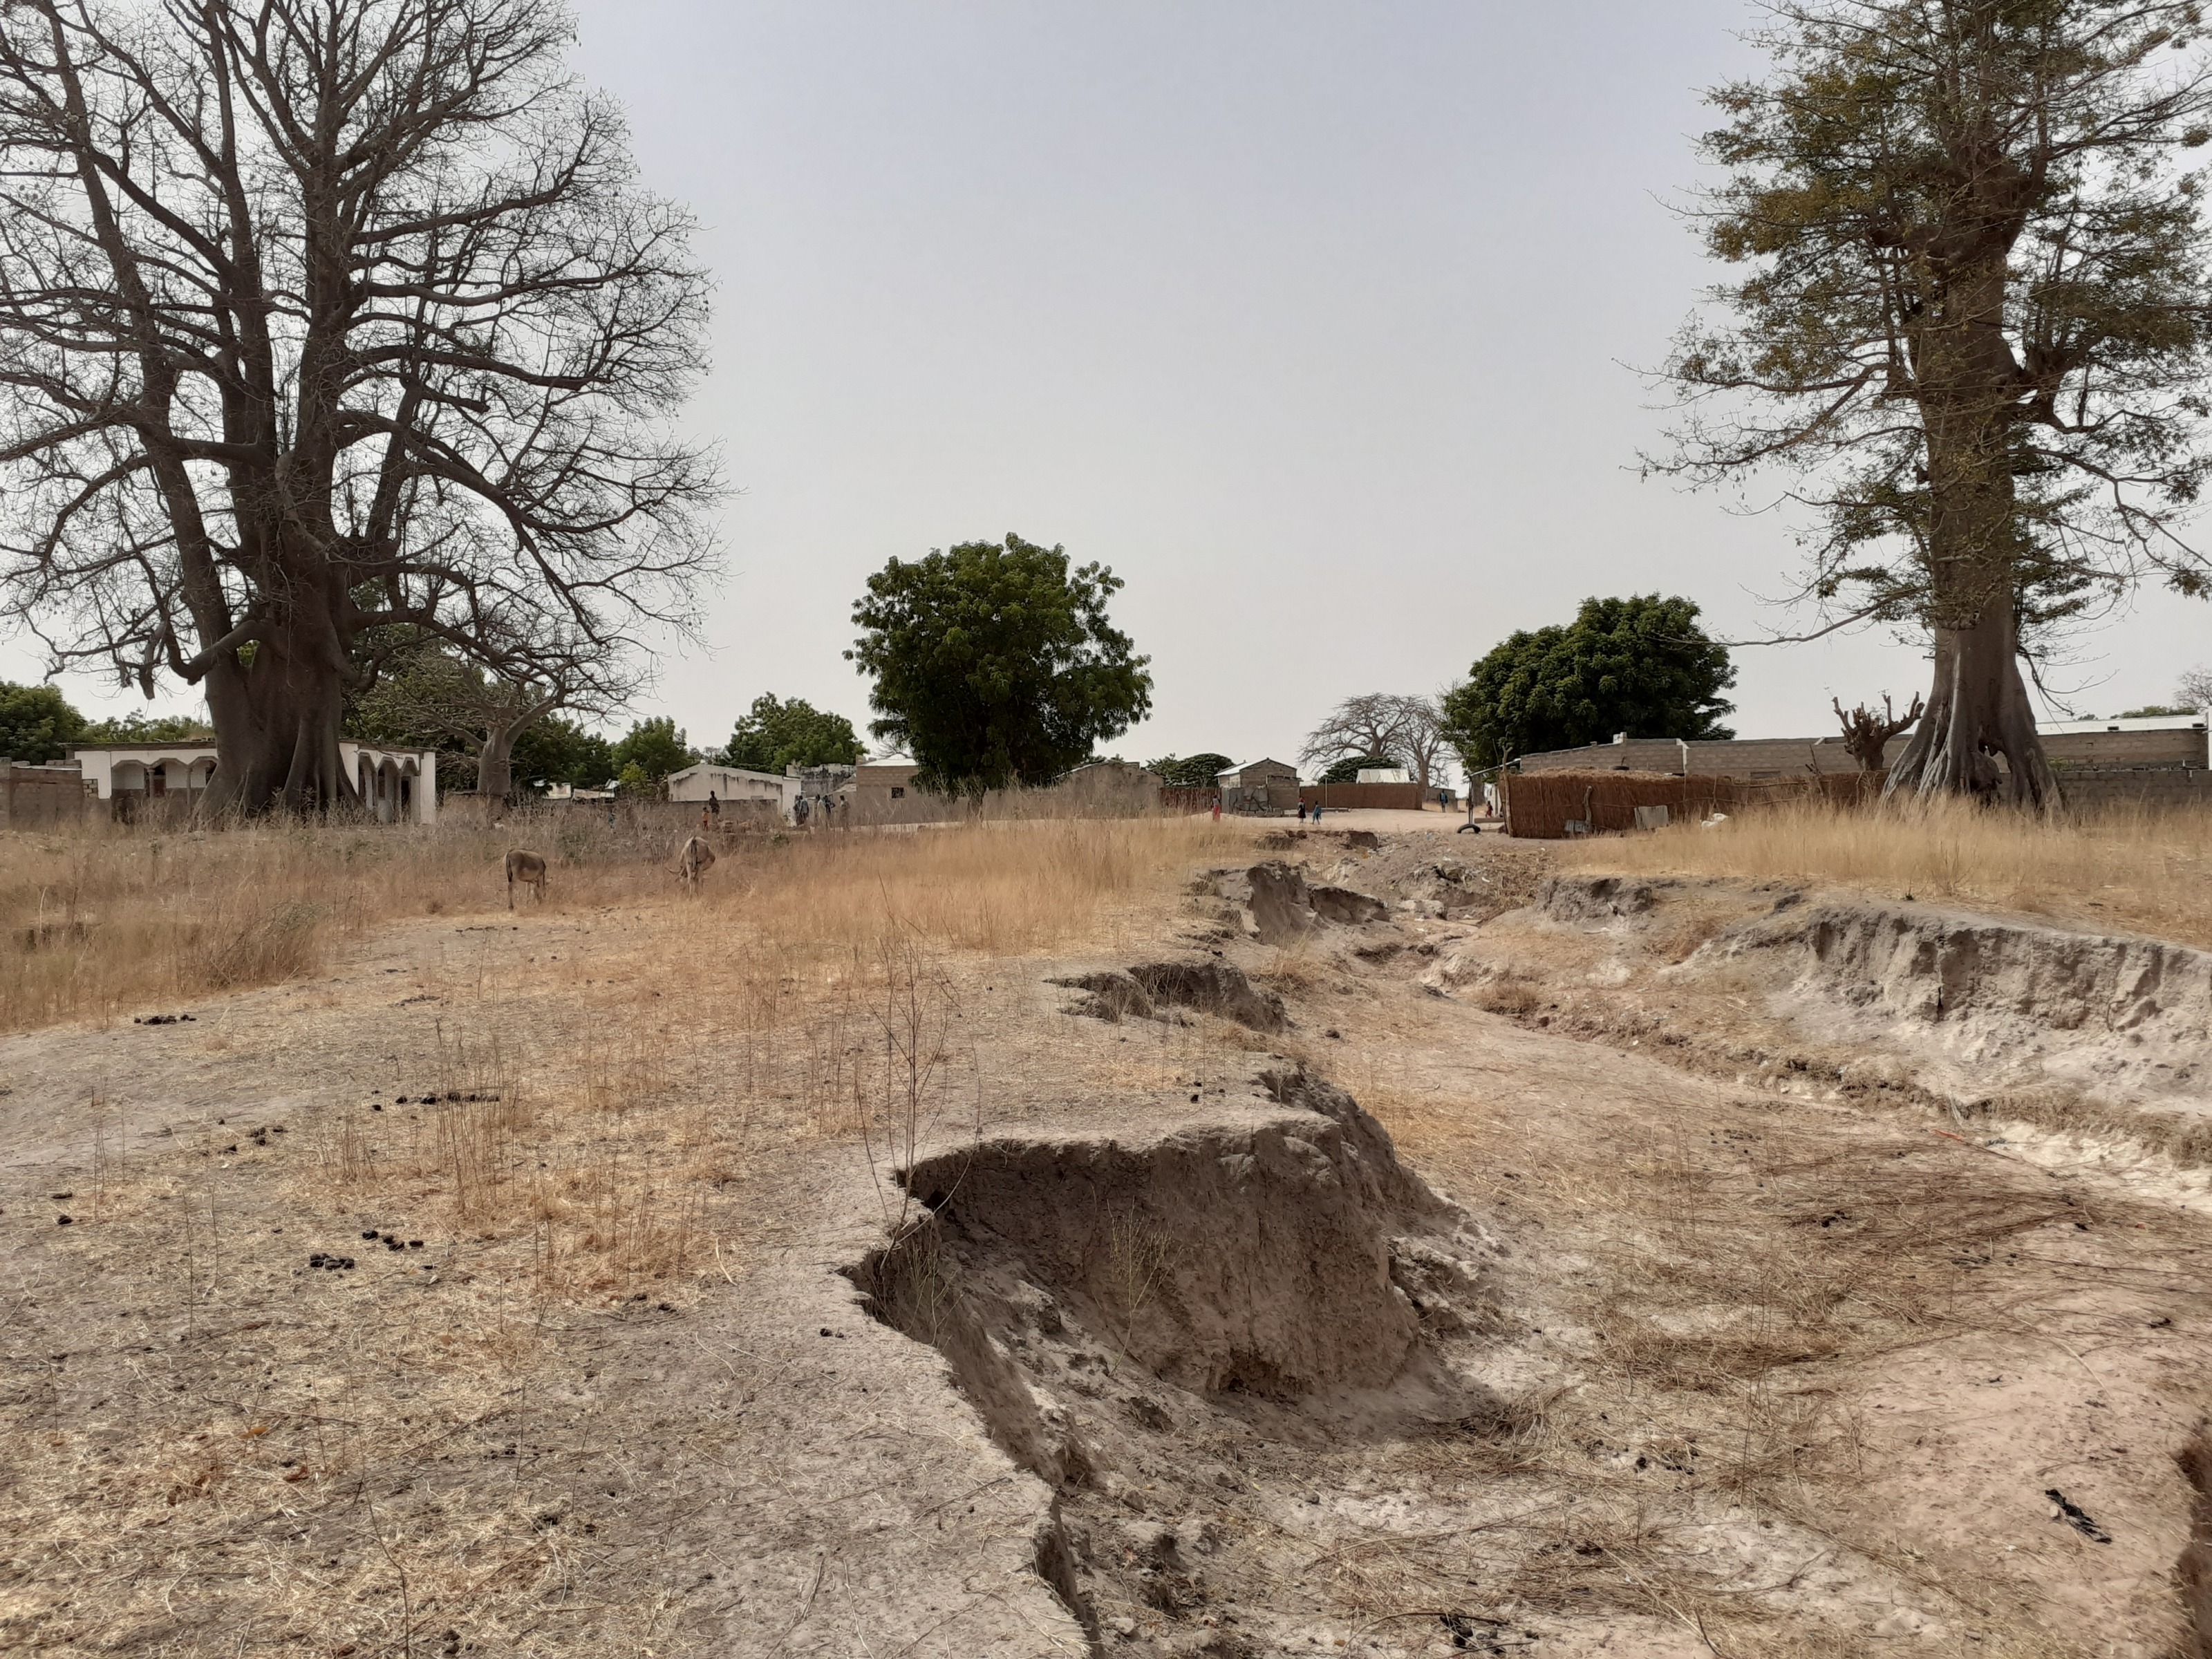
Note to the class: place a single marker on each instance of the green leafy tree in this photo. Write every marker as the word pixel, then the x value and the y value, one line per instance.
pixel 1642 666
pixel 775 735
pixel 2150 710
pixel 1348 769
pixel 656 749
pixel 995 664
pixel 1976 327
pixel 558 750
pixel 1192 771
pixel 36 722
pixel 139 728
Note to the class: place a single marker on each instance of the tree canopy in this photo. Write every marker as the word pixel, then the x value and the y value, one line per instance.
pixel 773 735
pixel 422 691
pixel 36 722
pixel 656 749
pixel 1642 666
pixel 1191 772
pixel 995 664
pixel 1348 769
pixel 325 318
pixel 1975 329
pixel 148 728
pixel 557 750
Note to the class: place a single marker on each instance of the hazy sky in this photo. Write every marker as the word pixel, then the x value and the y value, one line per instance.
pixel 1319 323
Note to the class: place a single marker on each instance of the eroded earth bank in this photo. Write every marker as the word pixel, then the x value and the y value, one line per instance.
pixel 1380 1245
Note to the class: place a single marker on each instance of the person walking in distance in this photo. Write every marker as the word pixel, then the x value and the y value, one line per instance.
pixel 714 804
pixel 1216 809
pixel 1302 811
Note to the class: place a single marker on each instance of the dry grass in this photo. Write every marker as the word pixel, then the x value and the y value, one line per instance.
pixel 1721 1294
pixel 2136 870
pixel 593 1133
pixel 106 921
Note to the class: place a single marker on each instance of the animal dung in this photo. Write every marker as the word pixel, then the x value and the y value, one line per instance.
pixel 160 1019
pixel 370 1233
pixel 414 1243
pixel 63 1220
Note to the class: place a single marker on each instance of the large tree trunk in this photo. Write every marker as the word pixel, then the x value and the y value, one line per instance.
pixel 1977 706
pixel 495 758
pixel 496 764
pixel 1978 710
pixel 278 718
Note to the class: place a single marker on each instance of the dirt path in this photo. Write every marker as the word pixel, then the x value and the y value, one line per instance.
pixel 1731 1373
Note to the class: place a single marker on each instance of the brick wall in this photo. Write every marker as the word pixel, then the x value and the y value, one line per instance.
pixel 1765 757
pixel 2088 787
pixel 1391 797
pixel 1769 757
pixel 2125 749
pixel 1637 754
pixel 34 797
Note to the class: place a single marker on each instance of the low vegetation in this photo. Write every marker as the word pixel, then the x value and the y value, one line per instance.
pixel 2132 870
pixel 103 924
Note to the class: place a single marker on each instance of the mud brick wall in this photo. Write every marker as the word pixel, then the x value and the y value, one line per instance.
pixel 1390 797
pixel 1733 757
pixel 1777 758
pixel 1540 805
pixel 1637 754
pixel 36 796
pixel 2092 787
pixel 2125 749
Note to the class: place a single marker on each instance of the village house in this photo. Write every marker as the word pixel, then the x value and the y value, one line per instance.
pixel 398 786
pixel 742 791
pixel 1259 786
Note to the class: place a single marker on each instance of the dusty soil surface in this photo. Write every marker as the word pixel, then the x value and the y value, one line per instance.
pixel 1391 1286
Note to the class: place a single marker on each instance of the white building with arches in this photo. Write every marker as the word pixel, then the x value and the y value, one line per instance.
pixel 398 786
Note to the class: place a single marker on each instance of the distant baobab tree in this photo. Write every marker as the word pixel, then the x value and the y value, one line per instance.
pixel 323 317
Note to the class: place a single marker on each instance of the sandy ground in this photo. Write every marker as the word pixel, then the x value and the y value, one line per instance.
pixel 1764 1372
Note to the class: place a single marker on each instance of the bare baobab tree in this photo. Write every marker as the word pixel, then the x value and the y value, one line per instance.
pixel 1408 730
pixel 319 318
pixel 1867 734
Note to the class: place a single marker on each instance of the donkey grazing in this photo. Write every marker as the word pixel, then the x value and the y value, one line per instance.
pixel 694 860
pixel 529 869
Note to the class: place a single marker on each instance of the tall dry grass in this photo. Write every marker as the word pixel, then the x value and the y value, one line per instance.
pixel 104 921
pixel 2131 869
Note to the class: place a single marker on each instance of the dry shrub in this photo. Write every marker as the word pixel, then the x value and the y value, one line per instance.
pixel 2130 867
